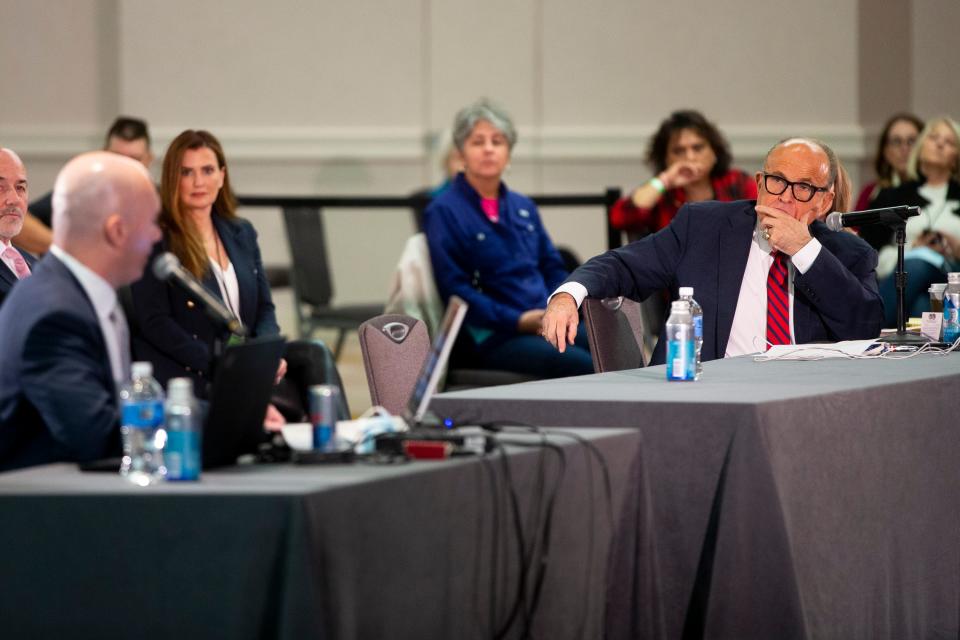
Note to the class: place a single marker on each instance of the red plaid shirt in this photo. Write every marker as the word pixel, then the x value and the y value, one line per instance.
pixel 733 185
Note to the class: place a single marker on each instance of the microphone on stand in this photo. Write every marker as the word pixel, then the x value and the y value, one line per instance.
pixel 167 268
pixel 889 216
pixel 896 219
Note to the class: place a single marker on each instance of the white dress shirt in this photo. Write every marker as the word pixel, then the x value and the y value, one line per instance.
pixel 104 299
pixel 749 331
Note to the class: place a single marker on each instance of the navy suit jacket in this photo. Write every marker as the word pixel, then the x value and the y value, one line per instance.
pixel 57 395
pixel 706 247
pixel 174 334
pixel 8 278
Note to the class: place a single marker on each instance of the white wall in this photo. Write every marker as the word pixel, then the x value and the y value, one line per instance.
pixel 356 98
pixel 936 57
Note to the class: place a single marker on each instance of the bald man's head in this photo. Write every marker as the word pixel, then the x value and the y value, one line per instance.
pixel 104 214
pixel 13 194
pixel 797 178
pixel 816 146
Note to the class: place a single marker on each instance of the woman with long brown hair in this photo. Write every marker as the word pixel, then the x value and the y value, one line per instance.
pixel 200 226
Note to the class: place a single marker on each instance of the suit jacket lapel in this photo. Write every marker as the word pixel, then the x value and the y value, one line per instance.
pixel 802 310
pixel 63 272
pixel 6 275
pixel 734 249
pixel 29 258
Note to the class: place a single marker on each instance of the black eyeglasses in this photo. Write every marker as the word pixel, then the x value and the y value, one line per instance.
pixel 802 191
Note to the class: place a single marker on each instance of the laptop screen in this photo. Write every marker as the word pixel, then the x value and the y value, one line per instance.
pixel 243 382
pixel 436 362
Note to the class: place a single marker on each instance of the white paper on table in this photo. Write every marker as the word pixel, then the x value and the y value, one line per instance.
pixel 844 349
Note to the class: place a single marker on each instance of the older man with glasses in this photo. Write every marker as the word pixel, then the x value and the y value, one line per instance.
pixel 765 272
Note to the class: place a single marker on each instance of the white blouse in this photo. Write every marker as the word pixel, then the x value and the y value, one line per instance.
pixel 229 287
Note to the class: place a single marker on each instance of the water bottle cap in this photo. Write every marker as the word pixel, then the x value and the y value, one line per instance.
pixel 953 277
pixel 680 305
pixel 142 369
pixel 686 291
pixel 180 389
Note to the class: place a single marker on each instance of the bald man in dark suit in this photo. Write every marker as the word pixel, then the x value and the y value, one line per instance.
pixel 63 336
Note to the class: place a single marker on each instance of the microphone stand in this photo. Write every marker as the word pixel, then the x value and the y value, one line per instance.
pixel 901 337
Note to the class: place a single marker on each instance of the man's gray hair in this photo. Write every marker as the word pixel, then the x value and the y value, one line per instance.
pixel 815 142
pixel 483 109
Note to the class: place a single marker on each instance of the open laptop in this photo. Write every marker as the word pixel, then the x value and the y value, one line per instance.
pixel 435 365
pixel 242 384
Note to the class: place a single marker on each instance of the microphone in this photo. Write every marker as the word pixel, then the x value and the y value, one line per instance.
pixel 167 268
pixel 889 216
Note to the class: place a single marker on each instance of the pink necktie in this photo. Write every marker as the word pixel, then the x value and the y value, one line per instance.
pixel 19 264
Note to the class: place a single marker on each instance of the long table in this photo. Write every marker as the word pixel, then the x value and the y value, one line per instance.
pixel 416 550
pixel 779 499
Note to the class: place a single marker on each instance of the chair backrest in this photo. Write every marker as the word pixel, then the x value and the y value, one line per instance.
pixel 309 362
pixel 413 291
pixel 308 253
pixel 615 332
pixel 394 348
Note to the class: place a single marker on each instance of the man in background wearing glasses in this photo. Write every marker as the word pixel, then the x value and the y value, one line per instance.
pixel 765 272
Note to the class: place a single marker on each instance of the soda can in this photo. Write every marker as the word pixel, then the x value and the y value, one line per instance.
pixel 324 400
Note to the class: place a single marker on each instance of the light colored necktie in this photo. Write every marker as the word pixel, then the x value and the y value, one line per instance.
pixel 20 266
pixel 122 335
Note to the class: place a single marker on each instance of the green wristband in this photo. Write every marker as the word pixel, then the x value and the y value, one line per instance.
pixel 657 184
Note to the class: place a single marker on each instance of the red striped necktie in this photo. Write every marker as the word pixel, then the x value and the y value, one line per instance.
pixel 778 301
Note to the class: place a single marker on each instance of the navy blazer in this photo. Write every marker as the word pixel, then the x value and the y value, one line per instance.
pixel 174 334
pixel 57 395
pixel 706 247
pixel 8 278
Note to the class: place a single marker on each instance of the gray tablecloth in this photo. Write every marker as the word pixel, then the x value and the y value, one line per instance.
pixel 776 499
pixel 404 551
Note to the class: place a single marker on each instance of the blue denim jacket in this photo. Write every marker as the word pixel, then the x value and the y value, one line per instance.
pixel 501 269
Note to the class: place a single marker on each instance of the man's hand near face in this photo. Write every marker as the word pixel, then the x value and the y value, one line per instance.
pixel 787 234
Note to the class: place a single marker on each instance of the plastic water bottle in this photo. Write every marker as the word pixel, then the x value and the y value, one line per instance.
pixel 184 429
pixel 141 426
pixel 681 343
pixel 951 308
pixel 696 312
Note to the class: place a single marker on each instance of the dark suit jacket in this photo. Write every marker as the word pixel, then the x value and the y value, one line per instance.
pixel 8 278
pixel 174 334
pixel 706 247
pixel 57 395
pixel 42 208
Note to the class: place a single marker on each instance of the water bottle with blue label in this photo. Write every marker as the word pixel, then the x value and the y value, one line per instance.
pixel 951 308
pixel 183 424
pixel 141 427
pixel 696 312
pixel 681 343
